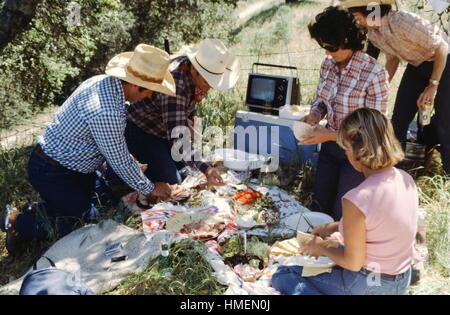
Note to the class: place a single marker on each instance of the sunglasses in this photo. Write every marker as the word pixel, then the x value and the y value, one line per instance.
pixel 329 48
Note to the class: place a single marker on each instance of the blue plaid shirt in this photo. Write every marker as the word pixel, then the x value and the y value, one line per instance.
pixel 89 128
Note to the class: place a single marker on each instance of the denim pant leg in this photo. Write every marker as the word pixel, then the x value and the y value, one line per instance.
pixel 288 280
pixel 442 117
pixel 326 180
pixel 411 86
pixel 67 196
pixel 155 152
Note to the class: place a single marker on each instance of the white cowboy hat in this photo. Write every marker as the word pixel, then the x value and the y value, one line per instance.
pixel 146 66
pixel 220 68
pixel 363 3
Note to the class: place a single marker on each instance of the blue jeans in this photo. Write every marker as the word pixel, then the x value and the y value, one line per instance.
pixel 335 176
pixel 288 280
pixel 151 150
pixel 67 196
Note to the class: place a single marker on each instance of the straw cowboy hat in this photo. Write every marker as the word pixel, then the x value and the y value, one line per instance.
pixel 146 66
pixel 363 3
pixel 220 68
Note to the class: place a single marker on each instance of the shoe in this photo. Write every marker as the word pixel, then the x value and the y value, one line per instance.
pixel 14 244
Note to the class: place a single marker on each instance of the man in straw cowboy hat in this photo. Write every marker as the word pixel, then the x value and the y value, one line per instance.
pixel 406 36
pixel 87 130
pixel 150 122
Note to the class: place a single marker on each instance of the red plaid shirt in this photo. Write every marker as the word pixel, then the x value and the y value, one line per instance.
pixel 362 83
pixel 161 113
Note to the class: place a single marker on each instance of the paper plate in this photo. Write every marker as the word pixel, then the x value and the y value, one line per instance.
pixel 301 129
pixel 299 221
pixel 321 262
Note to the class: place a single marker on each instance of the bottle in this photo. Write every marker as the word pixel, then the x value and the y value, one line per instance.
pixel 164 262
pixel 425 115
pixel 9 211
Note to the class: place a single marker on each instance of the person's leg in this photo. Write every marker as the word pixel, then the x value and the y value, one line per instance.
pixel 349 178
pixel 67 196
pixel 326 180
pixel 288 281
pixel 411 86
pixel 442 117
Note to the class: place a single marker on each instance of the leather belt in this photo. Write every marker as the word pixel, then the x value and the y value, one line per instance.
pixel 384 275
pixel 39 152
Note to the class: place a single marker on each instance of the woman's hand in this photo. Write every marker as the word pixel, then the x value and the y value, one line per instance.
pixel 314 248
pixel 427 97
pixel 319 135
pixel 324 230
pixel 313 118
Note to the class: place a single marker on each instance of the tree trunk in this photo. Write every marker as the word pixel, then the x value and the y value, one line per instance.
pixel 15 15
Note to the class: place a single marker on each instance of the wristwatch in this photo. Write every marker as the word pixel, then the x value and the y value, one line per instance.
pixel 434 82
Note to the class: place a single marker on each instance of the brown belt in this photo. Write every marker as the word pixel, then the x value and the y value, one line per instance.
pixel 39 152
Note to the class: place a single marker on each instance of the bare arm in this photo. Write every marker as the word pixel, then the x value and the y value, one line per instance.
pixel 392 63
pixel 353 256
pixel 440 61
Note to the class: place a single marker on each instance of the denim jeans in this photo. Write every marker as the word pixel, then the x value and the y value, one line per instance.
pixel 335 176
pixel 67 196
pixel 288 280
pixel 413 83
pixel 150 150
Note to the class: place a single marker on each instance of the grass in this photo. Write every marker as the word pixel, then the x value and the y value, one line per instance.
pixel 192 274
pixel 260 38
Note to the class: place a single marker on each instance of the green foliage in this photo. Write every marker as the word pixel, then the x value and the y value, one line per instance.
pixel 43 65
pixel 192 274
pixel 14 187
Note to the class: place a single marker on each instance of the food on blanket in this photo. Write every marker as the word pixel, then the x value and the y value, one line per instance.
pixel 247 196
pixel 195 201
pixel 233 251
pixel 247 273
pixel 202 230
pixel 267 211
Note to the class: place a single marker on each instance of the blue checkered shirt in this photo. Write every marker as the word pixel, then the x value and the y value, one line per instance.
pixel 89 129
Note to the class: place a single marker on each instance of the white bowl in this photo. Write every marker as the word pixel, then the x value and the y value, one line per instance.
pixel 301 129
pixel 298 222
pixel 238 160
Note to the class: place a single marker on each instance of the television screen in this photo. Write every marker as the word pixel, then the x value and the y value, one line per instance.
pixel 263 89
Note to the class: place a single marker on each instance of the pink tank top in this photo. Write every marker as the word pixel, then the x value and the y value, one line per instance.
pixel 389 200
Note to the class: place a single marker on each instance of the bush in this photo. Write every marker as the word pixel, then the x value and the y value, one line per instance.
pixel 62 48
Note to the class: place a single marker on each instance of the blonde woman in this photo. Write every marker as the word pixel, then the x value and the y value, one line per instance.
pixel 379 219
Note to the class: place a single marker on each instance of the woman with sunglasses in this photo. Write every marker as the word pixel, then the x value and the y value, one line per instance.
pixel 349 79
pixel 425 83
pixel 378 224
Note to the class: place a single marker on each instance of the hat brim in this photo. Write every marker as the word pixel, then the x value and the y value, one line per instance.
pixel 117 68
pixel 219 82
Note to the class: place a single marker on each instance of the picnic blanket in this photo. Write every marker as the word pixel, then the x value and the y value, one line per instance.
pixel 82 252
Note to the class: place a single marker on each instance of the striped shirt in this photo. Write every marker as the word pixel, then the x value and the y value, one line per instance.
pixel 89 129
pixel 408 37
pixel 159 114
pixel 362 83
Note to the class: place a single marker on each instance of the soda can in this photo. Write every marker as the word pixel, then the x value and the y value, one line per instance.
pixel 425 115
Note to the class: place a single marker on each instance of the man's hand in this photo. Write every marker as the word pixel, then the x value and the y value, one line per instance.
pixel 319 135
pixel 213 177
pixel 313 118
pixel 162 191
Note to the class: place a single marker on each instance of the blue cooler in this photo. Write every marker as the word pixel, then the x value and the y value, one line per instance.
pixel 270 135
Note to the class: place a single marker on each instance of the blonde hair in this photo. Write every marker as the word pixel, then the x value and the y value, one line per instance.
pixel 371 138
